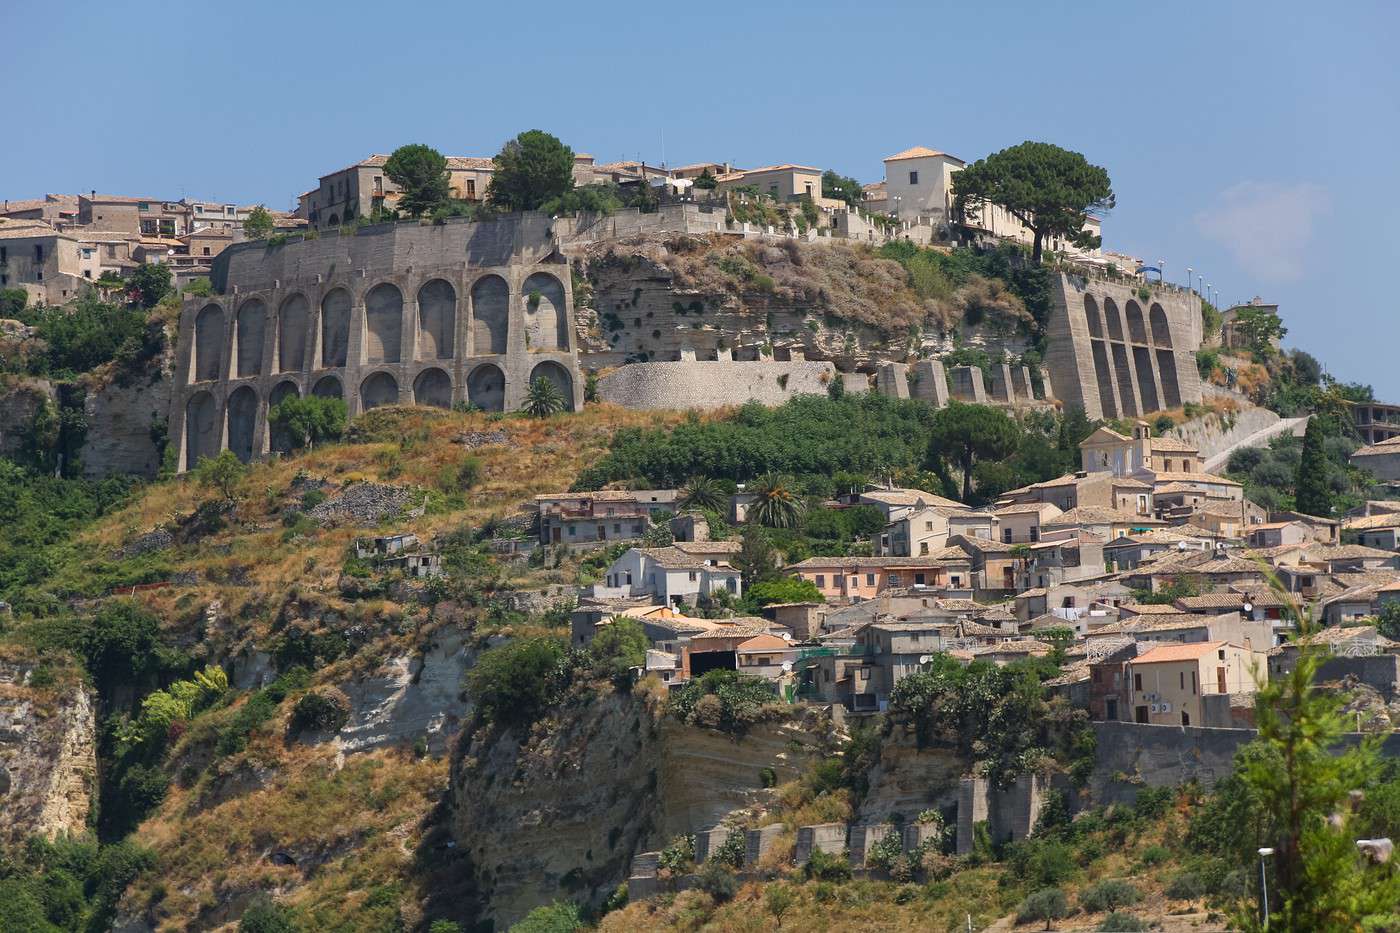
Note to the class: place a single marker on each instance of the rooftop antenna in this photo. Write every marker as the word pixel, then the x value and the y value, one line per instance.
pixel 662 131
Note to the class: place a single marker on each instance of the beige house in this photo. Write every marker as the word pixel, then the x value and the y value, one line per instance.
pixel 48 265
pixel 1168 683
pixel 1142 455
pixel 139 217
pixel 782 182
pixel 1105 523
pixel 1021 524
pixel 1100 489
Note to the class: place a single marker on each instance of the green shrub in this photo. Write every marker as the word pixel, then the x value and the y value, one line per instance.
pixel 1043 862
pixel 1188 886
pixel 266 916
pixel 722 699
pixel 885 852
pixel 550 918
pixel 679 855
pixel 513 683
pixel 1154 855
pixel 731 851
pixel 1123 922
pixel 318 711
pixel 826 866
pixel 1048 904
pixel 718 882
pixel 1108 895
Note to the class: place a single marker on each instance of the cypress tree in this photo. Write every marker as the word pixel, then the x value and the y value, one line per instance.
pixel 1313 494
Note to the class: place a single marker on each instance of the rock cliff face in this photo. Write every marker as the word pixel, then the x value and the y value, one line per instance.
pixel 559 812
pixel 48 757
pixel 657 298
pixel 121 419
pixel 908 779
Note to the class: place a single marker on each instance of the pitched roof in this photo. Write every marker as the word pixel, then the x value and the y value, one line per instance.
pixel 15 229
pixel 469 163
pixel 1350 552
pixel 1104 434
pixel 1096 515
pixel 1177 476
pixel 903 496
pixel 1186 652
pixel 1028 507
pixel 1173 444
pixel 1374 522
pixel 917 152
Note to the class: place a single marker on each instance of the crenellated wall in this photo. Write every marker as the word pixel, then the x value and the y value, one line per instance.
pixel 435 315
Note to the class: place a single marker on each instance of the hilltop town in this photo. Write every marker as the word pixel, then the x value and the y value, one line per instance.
pixel 661 545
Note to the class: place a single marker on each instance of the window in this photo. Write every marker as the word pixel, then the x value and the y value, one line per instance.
pixel 87 273
pixel 143 206
pixel 918 579
pixel 1181 680
pixel 471 189
pixel 1185 718
pixel 1006 535
pixel 38 252
pixel 894 579
pixel 617 528
pixel 1137 682
pixel 692 576
pixel 808 188
pixel 913 178
pixel 923 548
pixel 1193 683
pixel 821 580
pixel 572 531
pixel 773 190
pixel 206 251
pixel 870 581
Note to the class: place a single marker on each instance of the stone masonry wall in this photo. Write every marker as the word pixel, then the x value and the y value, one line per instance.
pixel 707 384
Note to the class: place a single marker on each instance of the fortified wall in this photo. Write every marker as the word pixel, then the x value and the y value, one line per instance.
pixel 392 314
pixel 1117 354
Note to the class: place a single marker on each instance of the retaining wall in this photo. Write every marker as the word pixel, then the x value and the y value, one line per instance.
pixel 707 384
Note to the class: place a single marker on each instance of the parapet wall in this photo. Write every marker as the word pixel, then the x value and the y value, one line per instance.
pixel 707 384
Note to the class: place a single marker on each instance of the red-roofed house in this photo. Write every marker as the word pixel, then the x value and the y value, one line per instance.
pixel 1167 686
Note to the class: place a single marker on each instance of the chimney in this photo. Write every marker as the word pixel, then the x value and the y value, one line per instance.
pixel 92 194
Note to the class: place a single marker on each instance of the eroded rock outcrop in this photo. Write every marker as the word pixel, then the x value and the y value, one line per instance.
pixel 48 750
pixel 558 811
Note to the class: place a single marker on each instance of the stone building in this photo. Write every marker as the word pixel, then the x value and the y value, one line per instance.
pixel 436 315
pixel 1120 349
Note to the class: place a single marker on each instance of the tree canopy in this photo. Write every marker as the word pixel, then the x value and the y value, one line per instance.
pixel 531 169
pixel 967 434
pixel 258 224
pixel 421 174
pixel 149 284
pixel 842 188
pixel 1313 489
pixel 1052 191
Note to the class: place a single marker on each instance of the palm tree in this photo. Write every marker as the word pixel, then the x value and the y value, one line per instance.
pixel 775 505
pixel 701 492
pixel 544 398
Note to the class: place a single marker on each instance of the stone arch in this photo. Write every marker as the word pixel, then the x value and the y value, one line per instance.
pixel 378 389
pixel 1115 323
pixel 328 387
pixel 433 387
pixel 293 323
pixel 486 387
pixel 1137 331
pixel 560 377
pixel 334 221
pixel 242 415
pixel 248 338
pixel 208 343
pixel 1161 330
pixel 437 320
pixel 335 328
pixel 490 315
pixel 546 317
pixel 278 440
pixel 1091 316
pixel 202 436
pixel 383 323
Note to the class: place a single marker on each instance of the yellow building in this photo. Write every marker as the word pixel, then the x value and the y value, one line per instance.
pixel 1167 685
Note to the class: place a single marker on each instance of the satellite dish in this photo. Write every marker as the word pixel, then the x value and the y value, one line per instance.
pixel 925 658
pixel 1248 606
pixel 787 667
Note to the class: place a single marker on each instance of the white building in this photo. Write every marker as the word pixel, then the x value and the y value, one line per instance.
pixel 681 573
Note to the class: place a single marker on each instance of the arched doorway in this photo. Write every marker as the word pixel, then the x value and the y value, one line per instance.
pixel 328 387
pixel 242 418
pixel 437 320
pixel 248 339
pixel 378 389
pixel 486 388
pixel 383 324
pixel 278 440
pixel 202 434
pixel 293 323
pixel 560 377
pixel 208 343
pixel 433 387
pixel 490 315
pixel 546 319
pixel 335 328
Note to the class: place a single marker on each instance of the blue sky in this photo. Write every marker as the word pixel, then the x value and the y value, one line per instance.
pixel 1253 141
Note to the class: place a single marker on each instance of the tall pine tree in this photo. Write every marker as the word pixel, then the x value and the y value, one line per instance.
pixel 1313 492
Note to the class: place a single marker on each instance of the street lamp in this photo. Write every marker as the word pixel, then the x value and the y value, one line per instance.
pixel 1264 883
pixel 1161 270
pixel 1188 278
